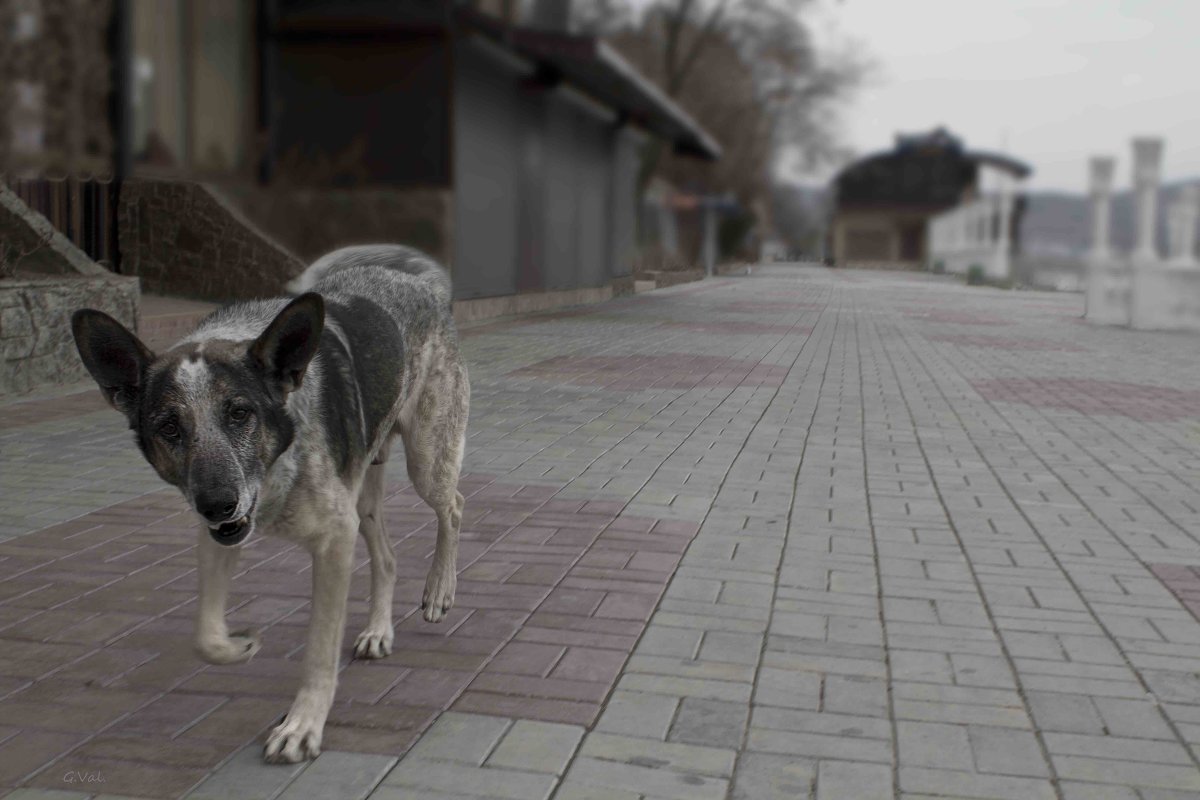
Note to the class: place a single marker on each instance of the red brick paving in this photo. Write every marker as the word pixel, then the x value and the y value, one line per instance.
pixel 935 314
pixel 663 371
pixel 734 327
pixel 1184 582
pixel 1006 343
pixel 96 623
pixel 32 412
pixel 1134 400
pixel 769 306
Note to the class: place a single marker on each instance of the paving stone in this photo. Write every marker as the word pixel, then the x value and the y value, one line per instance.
pixel 787 474
pixel 247 776
pixel 955 783
pixel 343 775
pixel 1008 752
pixel 416 776
pixel 536 747
pixel 932 744
pixel 715 723
pixel 647 781
pixel 464 738
pixel 667 756
pixel 770 777
pixel 638 714
pixel 838 780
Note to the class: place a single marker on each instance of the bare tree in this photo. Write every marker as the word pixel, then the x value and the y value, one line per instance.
pixel 748 70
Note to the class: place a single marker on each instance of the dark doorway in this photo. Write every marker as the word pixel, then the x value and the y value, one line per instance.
pixel 912 242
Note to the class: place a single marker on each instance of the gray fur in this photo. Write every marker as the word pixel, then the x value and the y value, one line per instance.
pixel 307 462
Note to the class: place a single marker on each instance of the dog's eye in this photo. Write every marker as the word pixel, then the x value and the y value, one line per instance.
pixel 169 430
pixel 239 414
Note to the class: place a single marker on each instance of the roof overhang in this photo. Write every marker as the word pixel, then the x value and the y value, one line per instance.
pixel 594 68
pixel 1018 169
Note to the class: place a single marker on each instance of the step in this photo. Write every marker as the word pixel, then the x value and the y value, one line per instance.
pixel 165 320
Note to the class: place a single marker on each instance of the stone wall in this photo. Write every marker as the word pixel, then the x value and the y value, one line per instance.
pixel 311 222
pixel 188 239
pixel 36 348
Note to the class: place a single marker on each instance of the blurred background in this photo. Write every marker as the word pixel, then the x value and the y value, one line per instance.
pixel 562 151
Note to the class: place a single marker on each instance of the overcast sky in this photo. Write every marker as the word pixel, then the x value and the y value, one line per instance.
pixel 1048 81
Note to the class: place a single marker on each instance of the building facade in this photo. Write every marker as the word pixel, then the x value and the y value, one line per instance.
pixel 506 148
pixel 882 204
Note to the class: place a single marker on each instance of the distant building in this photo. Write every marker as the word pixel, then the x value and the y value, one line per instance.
pixel 882 203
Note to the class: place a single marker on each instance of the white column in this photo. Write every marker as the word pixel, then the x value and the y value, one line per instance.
pixel 1147 164
pixel 1182 221
pixel 1004 203
pixel 1101 173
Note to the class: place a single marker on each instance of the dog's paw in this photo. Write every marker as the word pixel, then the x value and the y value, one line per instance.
pixel 439 594
pixel 374 643
pixel 236 648
pixel 296 739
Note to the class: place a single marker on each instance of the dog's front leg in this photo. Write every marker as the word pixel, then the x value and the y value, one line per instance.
pixel 213 641
pixel 298 737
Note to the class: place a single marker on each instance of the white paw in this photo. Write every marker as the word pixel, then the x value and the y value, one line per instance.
pixel 374 643
pixel 439 594
pixel 297 738
pixel 236 648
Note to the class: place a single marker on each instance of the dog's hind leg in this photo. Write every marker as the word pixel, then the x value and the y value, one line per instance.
pixel 376 639
pixel 433 446
pixel 213 642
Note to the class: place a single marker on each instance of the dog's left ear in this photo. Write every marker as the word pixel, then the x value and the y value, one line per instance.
pixel 290 341
pixel 115 357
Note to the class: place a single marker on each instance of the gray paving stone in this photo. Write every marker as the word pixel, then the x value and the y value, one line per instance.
pixel 638 714
pixel 953 783
pixel 536 747
pixel 416 776
pixel 932 744
pixel 647 781
pixel 1008 752
pixel 715 723
pixel 770 777
pixel 247 776
pixel 464 738
pixel 351 776
pixel 667 756
pixel 1070 713
pixel 838 780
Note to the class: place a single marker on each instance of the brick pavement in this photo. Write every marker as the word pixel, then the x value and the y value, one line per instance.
pixel 806 534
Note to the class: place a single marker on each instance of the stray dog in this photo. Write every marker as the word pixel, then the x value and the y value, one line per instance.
pixel 278 416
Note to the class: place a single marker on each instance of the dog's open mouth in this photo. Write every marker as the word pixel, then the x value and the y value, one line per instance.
pixel 231 533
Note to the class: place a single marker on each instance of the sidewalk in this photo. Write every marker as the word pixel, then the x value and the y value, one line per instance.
pixel 805 534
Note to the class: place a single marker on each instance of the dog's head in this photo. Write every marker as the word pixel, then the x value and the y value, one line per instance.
pixel 210 417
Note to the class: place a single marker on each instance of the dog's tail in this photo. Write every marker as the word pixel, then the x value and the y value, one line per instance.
pixel 391 256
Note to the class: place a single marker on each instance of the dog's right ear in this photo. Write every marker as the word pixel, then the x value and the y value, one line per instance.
pixel 116 359
pixel 290 341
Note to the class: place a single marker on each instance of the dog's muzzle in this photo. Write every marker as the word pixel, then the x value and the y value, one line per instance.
pixel 231 533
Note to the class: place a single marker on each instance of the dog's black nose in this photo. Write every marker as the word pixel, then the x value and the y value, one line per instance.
pixel 216 507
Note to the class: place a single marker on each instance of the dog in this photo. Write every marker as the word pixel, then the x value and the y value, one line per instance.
pixel 277 416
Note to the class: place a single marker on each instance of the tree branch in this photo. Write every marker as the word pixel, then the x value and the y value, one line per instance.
pixel 675 82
